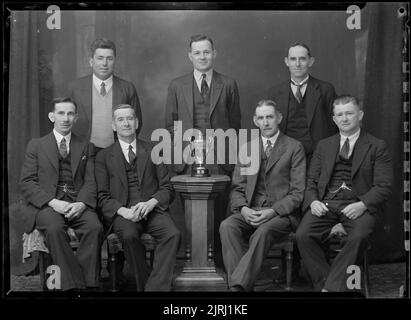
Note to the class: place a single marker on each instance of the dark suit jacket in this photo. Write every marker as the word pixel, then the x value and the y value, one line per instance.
pixel 112 185
pixel 80 91
pixel 224 109
pixel 40 174
pixel 371 170
pixel 284 179
pixel 319 97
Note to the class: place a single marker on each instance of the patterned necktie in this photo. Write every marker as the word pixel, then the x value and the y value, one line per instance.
pixel 345 150
pixel 63 148
pixel 131 155
pixel 103 91
pixel 268 148
pixel 204 86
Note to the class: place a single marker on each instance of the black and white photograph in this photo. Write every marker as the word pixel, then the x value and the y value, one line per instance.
pixel 234 151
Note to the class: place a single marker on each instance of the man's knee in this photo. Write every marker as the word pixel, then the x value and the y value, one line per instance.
pixel 226 226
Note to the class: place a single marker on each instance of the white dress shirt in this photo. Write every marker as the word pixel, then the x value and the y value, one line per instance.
pixel 352 139
pixel 97 83
pixel 303 88
pixel 198 76
pixel 125 147
pixel 59 137
pixel 273 139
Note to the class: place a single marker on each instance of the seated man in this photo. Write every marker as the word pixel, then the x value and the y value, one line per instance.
pixel 134 195
pixel 349 179
pixel 264 205
pixel 57 180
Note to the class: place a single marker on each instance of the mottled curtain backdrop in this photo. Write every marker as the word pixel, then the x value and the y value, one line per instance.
pixel 152 49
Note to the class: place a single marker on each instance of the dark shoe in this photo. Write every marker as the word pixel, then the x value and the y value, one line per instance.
pixel 236 288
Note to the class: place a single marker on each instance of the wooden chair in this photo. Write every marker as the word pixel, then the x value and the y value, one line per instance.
pixel 286 246
pixel 115 248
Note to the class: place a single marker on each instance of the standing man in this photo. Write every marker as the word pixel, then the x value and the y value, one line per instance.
pixel 349 180
pixel 304 101
pixel 97 94
pixel 265 205
pixel 57 181
pixel 134 195
pixel 205 99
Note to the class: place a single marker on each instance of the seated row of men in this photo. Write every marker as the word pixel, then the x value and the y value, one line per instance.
pixel 66 185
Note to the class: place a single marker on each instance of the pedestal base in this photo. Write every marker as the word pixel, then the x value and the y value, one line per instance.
pixel 206 278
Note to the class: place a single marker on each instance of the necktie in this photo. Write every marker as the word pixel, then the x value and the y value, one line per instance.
pixel 204 86
pixel 63 148
pixel 131 154
pixel 345 150
pixel 268 148
pixel 298 94
pixel 103 89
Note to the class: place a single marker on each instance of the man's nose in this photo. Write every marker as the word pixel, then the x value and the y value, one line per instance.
pixel 105 62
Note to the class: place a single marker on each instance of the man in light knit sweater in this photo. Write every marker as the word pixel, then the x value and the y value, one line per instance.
pixel 97 94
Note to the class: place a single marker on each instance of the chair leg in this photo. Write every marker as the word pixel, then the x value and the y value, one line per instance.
pixel 366 276
pixel 289 269
pixel 112 257
pixel 42 270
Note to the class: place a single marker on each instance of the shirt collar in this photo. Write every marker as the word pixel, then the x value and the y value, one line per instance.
pixel 302 83
pixel 352 137
pixel 273 139
pixel 97 82
pixel 59 136
pixel 198 75
pixel 124 145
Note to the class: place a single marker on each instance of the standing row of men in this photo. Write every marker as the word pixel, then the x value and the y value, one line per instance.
pixel 60 175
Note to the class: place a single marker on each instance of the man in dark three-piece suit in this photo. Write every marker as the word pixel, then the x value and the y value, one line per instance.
pixel 349 180
pixel 134 194
pixel 57 181
pixel 304 101
pixel 97 94
pixel 264 204
pixel 205 99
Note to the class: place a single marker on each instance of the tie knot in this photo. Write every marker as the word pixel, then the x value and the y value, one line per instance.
pixel 103 84
pixel 204 76
pixel 269 143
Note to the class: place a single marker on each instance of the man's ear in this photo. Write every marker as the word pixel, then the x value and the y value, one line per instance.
pixel 91 62
pixel 214 53
pixel 190 56
pixel 311 61
pixel 51 116
pixel 279 117
pixel 113 126
pixel 286 62
pixel 255 121
pixel 75 117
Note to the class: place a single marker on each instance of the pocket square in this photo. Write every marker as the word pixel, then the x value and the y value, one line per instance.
pixel 84 157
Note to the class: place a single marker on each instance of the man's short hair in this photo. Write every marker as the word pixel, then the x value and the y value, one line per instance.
pixel 346 98
pixel 269 103
pixel 200 37
pixel 124 106
pixel 299 44
pixel 102 43
pixel 59 100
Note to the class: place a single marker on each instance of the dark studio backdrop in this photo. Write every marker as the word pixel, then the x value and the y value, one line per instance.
pixel 152 47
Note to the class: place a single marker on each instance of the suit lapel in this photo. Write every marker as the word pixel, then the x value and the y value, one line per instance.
pixel 118 162
pixel 216 88
pixel 312 99
pixel 49 144
pixel 331 154
pixel 88 96
pixel 142 157
pixel 283 99
pixel 361 148
pixel 116 92
pixel 188 93
pixel 252 179
pixel 276 153
pixel 76 148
